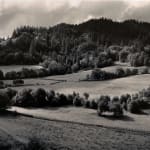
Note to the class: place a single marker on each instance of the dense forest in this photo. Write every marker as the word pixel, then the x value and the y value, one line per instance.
pixel 69 48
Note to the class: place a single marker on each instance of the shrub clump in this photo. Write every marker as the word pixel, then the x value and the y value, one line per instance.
pixel 105 103
pixel 10 92
pixel 100 75
pixel 2 85
pixel 134 107
pixel 18 82
pixel 77 101
pixel 93 104
pixel 24 98
pixel 1 75
pixel 5 102
pixel 39 96
pixel 86 104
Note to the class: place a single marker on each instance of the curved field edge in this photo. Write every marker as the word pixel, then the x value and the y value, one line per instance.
pixel 89 117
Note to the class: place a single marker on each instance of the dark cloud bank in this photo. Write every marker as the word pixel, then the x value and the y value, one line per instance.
pixel 39 15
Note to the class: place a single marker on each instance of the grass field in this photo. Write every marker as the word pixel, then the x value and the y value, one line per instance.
pixel 89 116
pixel 79 128
pixel 70 82
pixel 69 136
pixel 114 87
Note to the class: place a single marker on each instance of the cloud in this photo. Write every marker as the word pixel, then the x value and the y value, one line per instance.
pixel 140 13
pixel 48 12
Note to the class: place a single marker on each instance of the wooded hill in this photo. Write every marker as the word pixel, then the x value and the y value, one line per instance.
pixel 67 43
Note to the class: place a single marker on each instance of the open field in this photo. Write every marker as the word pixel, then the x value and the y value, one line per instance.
pixel 114 87
pixel 89 116
pixel 71 82
pixel 80 128
pixel 65 136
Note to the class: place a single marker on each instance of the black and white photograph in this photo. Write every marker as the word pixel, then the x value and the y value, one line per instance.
pixel 74 74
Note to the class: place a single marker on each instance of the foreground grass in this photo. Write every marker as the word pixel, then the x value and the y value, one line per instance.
pixel 62 135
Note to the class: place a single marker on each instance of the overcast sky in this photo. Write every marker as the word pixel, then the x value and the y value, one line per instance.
pixel 14 13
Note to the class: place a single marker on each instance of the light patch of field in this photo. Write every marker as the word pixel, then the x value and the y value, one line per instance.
pixel 89 116
pixel 74 77
pixel 18 67
pixel 115 87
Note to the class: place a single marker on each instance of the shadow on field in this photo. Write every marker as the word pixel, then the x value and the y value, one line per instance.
pixel 45 108
pixel 6 113
pixel 143 112
pixel 146 111
pixel 123 118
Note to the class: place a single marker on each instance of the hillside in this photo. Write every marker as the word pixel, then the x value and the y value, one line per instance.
pixel 76 44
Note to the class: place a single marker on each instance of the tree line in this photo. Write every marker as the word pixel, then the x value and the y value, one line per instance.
pixel 101 75
pixel 134 103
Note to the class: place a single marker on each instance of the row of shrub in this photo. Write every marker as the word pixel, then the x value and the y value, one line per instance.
pixel 100 75
pixel 41 98
pixel 16 82
pixel 97 74
pixel 53 69
pixel 24 73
